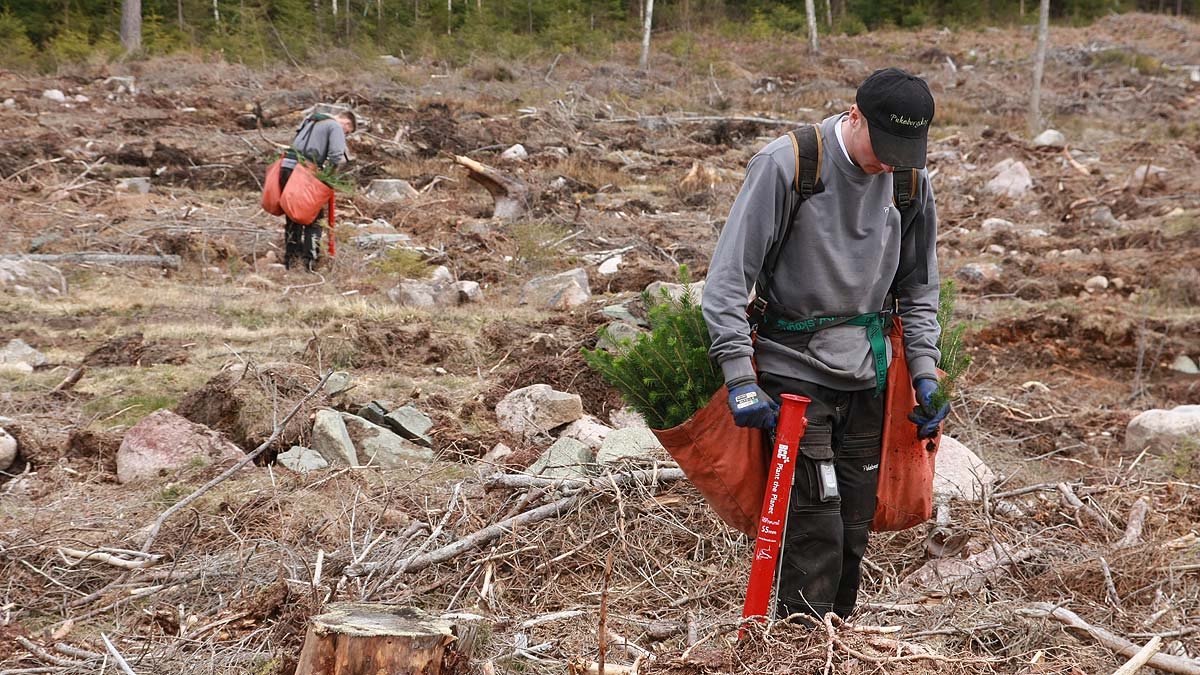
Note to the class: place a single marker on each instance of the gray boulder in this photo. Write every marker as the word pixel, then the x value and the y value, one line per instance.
pixel 1163 430
pixel 537 409
pixel 1011 180
pixel 411 293
pixel 959 473
pixel 614 334
pixel 139 186
pixel 338 382
pixel 380 447
pixel 979 273
pixel 676 291
pixel 559 291
pixel 302 460
pixel 459 293
pixel 389 190
pixel 8 450
pixel 566 458
pixel 18 355
pixel 382 240
pixel 587 430
pixel 1051 139
pixel 411 424
pixel 634 443
pixel 164 442
pixel 1184 364
pixel 331 439
pixel 27 277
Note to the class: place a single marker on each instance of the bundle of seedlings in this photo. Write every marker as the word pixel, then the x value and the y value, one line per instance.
pixel 666 374
pixel 954 361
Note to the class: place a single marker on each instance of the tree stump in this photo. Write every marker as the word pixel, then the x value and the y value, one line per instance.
pixel 512 196
pixel 353 638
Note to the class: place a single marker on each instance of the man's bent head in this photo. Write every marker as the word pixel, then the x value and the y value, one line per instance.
pixel 898 109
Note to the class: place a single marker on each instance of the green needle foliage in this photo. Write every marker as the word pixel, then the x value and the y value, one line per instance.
pixel 954 360
pixel 666 374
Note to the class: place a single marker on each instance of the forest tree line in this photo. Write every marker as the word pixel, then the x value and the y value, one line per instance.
pixel 44 34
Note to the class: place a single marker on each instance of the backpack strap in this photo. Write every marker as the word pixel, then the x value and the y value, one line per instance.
pixel 904 196
pixel 807 149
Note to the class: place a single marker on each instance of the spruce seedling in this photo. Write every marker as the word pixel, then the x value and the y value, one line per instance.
pixel 665 374
pixel 954 361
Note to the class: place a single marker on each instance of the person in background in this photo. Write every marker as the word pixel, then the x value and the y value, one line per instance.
pixel 321 139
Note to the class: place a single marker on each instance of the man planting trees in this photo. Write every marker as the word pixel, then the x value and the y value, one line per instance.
pixel 834 230
pixel 321 140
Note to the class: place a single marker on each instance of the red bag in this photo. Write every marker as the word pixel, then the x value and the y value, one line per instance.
pixel 271 189
pixel 726 463
pixel 905 492
pixel 304 195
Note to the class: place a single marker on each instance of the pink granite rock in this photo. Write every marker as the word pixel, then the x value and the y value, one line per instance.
pixel 164 442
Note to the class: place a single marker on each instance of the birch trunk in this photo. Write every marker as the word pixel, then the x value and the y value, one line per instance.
pixel 131 25
pixel 1039 67
pixel 810 12
pixel 644 62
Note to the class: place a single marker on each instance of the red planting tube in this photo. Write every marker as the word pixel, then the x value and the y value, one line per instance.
pixel 773 521
pixel 332 248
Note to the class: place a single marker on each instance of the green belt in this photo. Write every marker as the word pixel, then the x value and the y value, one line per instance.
pixel 873 322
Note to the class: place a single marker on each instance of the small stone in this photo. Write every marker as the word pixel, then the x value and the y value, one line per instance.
pixel 121 84
pixel 1037 233
pixel 55 95
pixel 331 439
pixel 80 98
pixel 411 424
pixel 1117 283
pixel 1163 430
pixel 559 291
pixel 1050 139
pixel 1012 180
pixel 1072 252
pixel 390 190
pixel 1182 363
pixel 441 275
pixel 610 266
pixel 632 443
pixel 1151 177
pixel 338 382
pixel 587 430
pixel 979 272
pixel 136 185
pixel 994 224
pixel 302 460
pixel 459 293
pixel 441 371
pixel 515 153
pixel 496 454
pixel 960 473
pixel 10 103
pixel 995 249
pixel 18 352
pixel 389 60
pixel 622 313
pixel 676 291
pixel 412 293
pixel 566 458
pixel 1096 284
pixel 615 335
pixel 8 450
pixel 537 409
pixel 382 240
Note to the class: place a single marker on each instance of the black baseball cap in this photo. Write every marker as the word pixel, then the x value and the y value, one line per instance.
pixel 898 108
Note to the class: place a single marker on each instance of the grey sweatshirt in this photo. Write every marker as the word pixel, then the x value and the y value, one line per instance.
pixel 320 142
pixel 844 251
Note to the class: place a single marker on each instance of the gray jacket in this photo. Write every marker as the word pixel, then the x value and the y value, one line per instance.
pixel 841 259
pixel 320 141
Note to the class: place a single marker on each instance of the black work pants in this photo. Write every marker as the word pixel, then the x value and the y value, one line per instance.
pixel 824 540
pixel 300 241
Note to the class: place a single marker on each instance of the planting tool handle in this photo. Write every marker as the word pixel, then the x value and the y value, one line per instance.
pixel 773 519
pixel 332 247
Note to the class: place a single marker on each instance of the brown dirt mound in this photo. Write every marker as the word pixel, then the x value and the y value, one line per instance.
pixel 133 350
pixel 244 401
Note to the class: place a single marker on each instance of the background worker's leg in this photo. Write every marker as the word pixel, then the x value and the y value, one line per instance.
pixel 312 241
pixel 811 560
pixel 293 243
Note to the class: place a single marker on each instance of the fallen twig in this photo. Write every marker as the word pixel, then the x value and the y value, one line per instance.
pixel 1120 645
pixel 171 261
pixel 120 660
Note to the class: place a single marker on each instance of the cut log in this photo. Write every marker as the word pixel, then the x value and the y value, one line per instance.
pixel 511 195
pixel 353 638
pixel 171 261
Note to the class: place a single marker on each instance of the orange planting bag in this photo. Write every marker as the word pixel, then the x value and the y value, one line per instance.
pixel 905 492
pixel 726 463
pixel 304 195
pixel 271 189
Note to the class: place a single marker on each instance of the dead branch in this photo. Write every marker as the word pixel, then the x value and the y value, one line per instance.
pixel 181 504
pixel 1139 659
pixel 476 539
pixel 71 380
pixel 512 196
pixel 1070 499
pixel 1171 664
pixel 515 481
pixel 1137 520
pixel 73 557
pixel 169 261
pixel 120 660
pixel 43 655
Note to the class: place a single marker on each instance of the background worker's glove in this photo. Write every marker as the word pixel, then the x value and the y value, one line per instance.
pixel 750 405
pixel 924 415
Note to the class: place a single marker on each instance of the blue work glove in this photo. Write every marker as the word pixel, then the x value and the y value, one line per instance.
pixel 751 407
pixel 924 416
